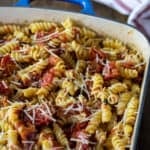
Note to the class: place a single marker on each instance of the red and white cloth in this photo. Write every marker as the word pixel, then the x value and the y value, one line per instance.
pixel 137 10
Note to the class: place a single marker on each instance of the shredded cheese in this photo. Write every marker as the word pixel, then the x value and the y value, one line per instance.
pixel 45 38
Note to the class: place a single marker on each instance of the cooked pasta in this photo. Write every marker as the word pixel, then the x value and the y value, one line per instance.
pixel 22 37
pixel 111 43
pixel 41 26
pixel 8 47
pixel 123 101
pixel 94 123
pixel 128 73
pixel 8 28
pixel 18 57
pixel 118 88
pixel 119 143
pixel 131 111
pixel 106 113
pixel 60 136
pixel 64 86
pixel 36 52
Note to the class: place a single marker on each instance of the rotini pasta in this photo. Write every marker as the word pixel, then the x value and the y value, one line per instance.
pixel 94 123
pixel 60 136
pixel 41 26
pixel 9 28
pixel 119 143
pixel 131 111
pixel 123 101
pixel 7 48
pixel 64 86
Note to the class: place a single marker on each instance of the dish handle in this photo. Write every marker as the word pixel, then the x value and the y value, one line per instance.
pixel 87 7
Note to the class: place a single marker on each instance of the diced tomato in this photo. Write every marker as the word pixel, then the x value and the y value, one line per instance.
pixel 80 126
pixel 128 64
pixel 95 67
pixel 40 34
pixel 110 71
pixel 99 52
pixel 82 146
pixel 76 30
pixel 7 65
pixel 92 54
pixel 84 138
pixel 53 60
pixel 4 89
pixel 64 38
pixel 4 101
pixel 47 78
pixel 42 117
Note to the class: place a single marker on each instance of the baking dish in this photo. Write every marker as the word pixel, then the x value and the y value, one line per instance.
pixel 119 31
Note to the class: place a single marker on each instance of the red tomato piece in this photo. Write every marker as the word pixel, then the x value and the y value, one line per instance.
pixel 47 78
pixel 4 89
pixel 53 60
pixel 7 65
pixel 128 64
pixel 41 117
pixel 110 71
pixel 99 52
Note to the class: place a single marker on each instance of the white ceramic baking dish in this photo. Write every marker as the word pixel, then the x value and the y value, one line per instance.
pixel 120 31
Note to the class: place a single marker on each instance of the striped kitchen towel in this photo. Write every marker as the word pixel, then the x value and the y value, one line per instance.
pixel 137 10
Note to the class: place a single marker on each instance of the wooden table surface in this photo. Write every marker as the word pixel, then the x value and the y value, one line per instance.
pixel 144 138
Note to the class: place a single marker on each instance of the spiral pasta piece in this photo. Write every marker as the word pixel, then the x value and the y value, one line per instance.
pixel 97 84
pixel 119 143
pixel 20 58
pixel 63 99
pixel 3 139
pixel 67 57
pixel 55 42
pixel 106 113
pixel 9 28
pixel 25 29
pixel 14 118
pixel 13 140
pixel 128 82
pixel 112 43
pixel 100 136
pixel 68 35
pixel 59 68
pixel 131 111
pixel 25 74
pixel 128 129
pixel 69 86
pixel 80 51
pixel 29 92
pixel 103 95
pixel 87 33
pixel 135 88
pixel 45 139
pixel 113 99
pixel 19 35
pixel 60 136
pixel 7 48
pixel 41 26
pixel 94 123
pixel 123 101
pixel 80 66
pixel 37 52
pixel 118 88
pixel 128 73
